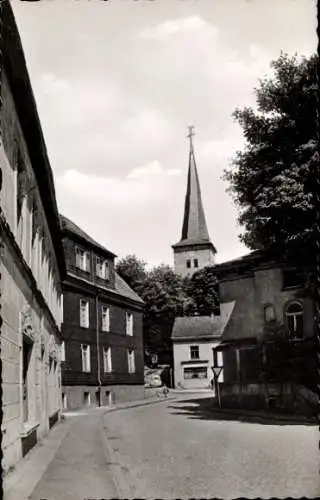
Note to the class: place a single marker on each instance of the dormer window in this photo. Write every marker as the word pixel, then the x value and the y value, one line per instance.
pixel 82 259
pixel 102 268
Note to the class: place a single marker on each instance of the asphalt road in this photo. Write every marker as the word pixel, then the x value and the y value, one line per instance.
pixel 177 450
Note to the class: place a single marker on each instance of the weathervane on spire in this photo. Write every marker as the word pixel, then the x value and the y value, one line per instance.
pixel 191 134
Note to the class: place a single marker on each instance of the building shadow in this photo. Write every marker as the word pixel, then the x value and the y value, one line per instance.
pixel 204 409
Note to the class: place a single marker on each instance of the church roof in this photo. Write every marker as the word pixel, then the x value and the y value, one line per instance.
pixel 194 229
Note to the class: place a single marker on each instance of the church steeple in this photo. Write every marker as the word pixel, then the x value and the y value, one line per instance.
pixel 195 249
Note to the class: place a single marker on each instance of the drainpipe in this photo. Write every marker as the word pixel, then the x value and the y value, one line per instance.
pixel 98 346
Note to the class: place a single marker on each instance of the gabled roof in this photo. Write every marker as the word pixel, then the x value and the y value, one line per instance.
pixel 195 328
pixel 194 229
pixel 124 289
pixel 68 226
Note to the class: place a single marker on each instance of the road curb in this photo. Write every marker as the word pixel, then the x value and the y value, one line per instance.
pixel 121 479
pixel 140 403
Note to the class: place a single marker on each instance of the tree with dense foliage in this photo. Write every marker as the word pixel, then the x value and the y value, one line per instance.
pixel 202 289
pixel 270 179
pixel 164 297
pixel 133 271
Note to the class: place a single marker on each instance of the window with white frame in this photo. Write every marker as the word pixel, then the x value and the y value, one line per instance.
pixel 105 318
pixel 194 352
pixel 107 361
pixel 84 313
pixel 294 320
pixel 62 352
pixel 102 268
pixel 82 259
pixel 131 361
pixel 85 356
pixel 129 323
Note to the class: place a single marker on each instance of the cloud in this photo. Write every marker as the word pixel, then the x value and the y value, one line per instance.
pixel 143 187
pixel 186 26
pixel 115 103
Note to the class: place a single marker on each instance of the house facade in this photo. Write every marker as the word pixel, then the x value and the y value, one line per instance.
pixel 193 340
pixel 102 326
pixel 31 262
pixel 268 301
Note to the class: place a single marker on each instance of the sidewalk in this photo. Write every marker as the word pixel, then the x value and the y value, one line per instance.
pixel 63 466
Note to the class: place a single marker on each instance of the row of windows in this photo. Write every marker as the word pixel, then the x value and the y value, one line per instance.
pixel 195 263
pixel 105 318
pixel 107 359
pixel 83 263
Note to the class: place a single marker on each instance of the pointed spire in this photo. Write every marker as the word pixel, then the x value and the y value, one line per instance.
pixel 194 229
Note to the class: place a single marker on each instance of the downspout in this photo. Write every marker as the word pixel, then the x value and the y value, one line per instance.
pixel 98 346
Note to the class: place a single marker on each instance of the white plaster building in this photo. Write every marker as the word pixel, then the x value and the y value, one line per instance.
pixel 31 265
pixel 193 339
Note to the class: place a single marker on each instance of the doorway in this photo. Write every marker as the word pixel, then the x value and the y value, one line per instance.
pixel 86 399
pixel 108 398
pixel 26 368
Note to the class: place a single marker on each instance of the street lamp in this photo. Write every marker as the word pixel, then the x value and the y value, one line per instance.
pixel 216 372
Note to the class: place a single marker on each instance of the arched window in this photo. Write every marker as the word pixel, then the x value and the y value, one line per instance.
pixel 269 313
pixel 294 320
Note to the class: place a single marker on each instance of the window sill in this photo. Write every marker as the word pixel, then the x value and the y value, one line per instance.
pixel 28 428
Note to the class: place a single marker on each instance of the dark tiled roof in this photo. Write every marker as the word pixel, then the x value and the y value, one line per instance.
pixel 203 327
pixel 235 329
pixel 123 289
pixel 67 225
pixel 194 242
pixel 252 258
pixel 15 68
pixel 196 327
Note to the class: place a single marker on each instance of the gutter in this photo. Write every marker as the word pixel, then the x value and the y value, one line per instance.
pixel 98 346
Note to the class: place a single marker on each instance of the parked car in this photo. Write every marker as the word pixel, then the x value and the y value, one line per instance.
pixel 153 380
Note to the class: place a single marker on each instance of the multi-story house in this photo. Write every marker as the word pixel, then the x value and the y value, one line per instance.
pixel 32 263
pixel 102 326
pixel 269 301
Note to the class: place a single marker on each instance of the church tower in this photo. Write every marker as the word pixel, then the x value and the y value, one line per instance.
pixel 195 249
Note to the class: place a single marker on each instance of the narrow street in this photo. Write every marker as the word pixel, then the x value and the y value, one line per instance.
pixel 173 450
pixel 170 452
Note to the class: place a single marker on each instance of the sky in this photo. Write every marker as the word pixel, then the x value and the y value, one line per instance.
pixel 118 83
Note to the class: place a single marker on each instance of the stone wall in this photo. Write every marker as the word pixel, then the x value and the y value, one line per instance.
pixel 44 374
